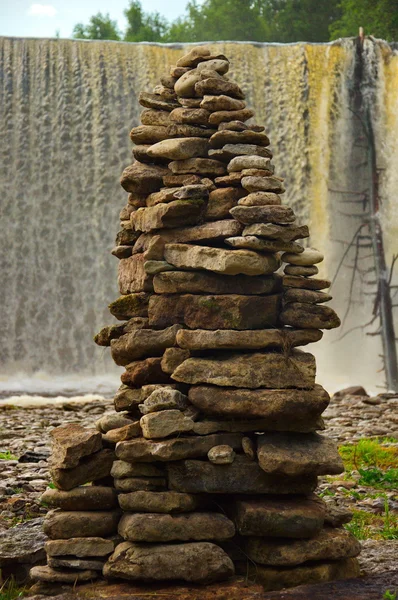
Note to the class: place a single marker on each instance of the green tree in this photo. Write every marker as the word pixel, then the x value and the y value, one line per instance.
pixel 301 20
pixel 144 27
pixel 377 17
pixel 100 27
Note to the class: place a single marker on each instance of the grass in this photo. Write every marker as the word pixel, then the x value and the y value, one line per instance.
pixel 388 595
pixel 365 525
pixel 369 453
pixel 7 455
pixel 10 590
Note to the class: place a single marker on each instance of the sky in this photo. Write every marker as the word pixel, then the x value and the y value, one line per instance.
pixel 24 18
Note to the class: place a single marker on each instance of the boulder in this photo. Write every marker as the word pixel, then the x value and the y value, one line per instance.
pixel 193 526
pixel 280 407
pixel 68 524
pixel 197 562
pixel 298 454
pixel 70 443
pixel 181 282
pixel 81 498
pixel 328 544
pixel 214 312
pixel 174 449
pixel 278 517
pixel 243 476
pixel 269 370
pixel 158 502
pixel 217 260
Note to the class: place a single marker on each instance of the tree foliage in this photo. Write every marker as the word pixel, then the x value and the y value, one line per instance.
pixel 251 20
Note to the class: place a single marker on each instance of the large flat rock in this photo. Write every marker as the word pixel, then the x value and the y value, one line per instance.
pixel 278 516
pixel 142 343
pixel 268 370
pixel 279 406
pixel 217 260
pixel 176 448
pixel 87 497
pixel 194 282
pixel 299 314
pixel 298 454
pixel 328 544
pixel 193 526
pixel 201 339
pixel 202 562
pixel 243 476
pixel 80 547
pixel 62 525
pixel 158 502
pixel 230 311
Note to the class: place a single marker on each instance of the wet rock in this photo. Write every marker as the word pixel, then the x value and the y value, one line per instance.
pixel 68 524
pixel 81 498
pixel 202 562
pixel 298 454
pixel 158 502
pixel 252 371
pixel 214 312
pixel 194 526
pixel 72 442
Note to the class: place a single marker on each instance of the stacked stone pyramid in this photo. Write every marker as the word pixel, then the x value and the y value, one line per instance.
pixel 216 442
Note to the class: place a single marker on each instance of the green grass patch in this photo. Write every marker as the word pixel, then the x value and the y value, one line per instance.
pixel 369 453
pixel 7 455
pixel 365 525
pixel 10 590
pixel 389 595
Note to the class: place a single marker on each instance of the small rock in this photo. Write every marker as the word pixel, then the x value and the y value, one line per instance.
pixel 221 455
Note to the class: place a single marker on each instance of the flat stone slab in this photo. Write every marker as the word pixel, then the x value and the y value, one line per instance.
pixel 80 547
pixel 217 260
pixel 81 564
pixel 90 468
pixel 181 282
pixel 269 370
pixel 81 498
pixel 243 476
pixel 193 526
pixel 23 543
pixel 72 442
pixel 328 544
pixel 229 339
pixel 61 525
pixel 132 276
pixel 158 502
pixel 298 454
pixel 174 214
pixel 46 573
pixel 142 343
pixel 280 215
pixel 299 314
pixel 278 517
pixel 174 449
pixel 193 562
pixel 273 231
pixel 279 406
pixel 214 311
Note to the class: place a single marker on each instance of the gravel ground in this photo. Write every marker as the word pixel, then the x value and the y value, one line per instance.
pixel 25 434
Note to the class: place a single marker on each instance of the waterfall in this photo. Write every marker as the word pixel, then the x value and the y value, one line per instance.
pixel 66 109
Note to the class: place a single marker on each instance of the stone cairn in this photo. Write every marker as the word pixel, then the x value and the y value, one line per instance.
pixel 210 464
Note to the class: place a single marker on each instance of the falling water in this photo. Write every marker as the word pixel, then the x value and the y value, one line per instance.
pixel 66 108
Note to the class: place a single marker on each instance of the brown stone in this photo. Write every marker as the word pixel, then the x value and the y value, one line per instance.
pixel 141 155
pixel 289 407
pixel 122 469
pixel 229 339
pixel 221 201
pixel 250 161
pixel 191 191
pixel 70 443
pixel 158 502
pixel 190 116
pixel 200 166
pixel 179 180
pixel 251 242
pixel 303 271
pixel 218 260
pixel 180 282
pixel 142 343
pixel 173 357
pixel 132 276
pixel 179 148
pixel 278 517
pixel 221 455
pixel 122 251
pixel 309 257
pixel 123 433
pixel 263 184
pixel 273 231
pixel 130 306
pixel 142 372
pixel 185 85
pixel 262 214
pixel 154 101
pixel 260 199
pixel 112 421
pixel 221 138
pixel 155 117
pixel 81 564
pixel 198 562
pixel 81 498
pixel 177 130
pixel 142 179
pixel 193 526
pixel 221 102
pixel 230 151
pixel 230 180
pixel 174 449
pixel 230 115
pixel 173 214
pixel 220 65
pixel 164 195
pixel 269 370
pixel 129 399
pixel 164 398
pixel 48 574
pixel 91 468
pixel 214 312
pixel 194 56
pixel 148 134
pixel 80 547
pixel 215 86
pixel 243 476
pixel 65 524
pixel 208 425
pixel 305 283
pixel 298 454
pixel 328 544
pixel 310 316
pixel 136 484
pixel 162 424
pixel 239 126
pixel 107 334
